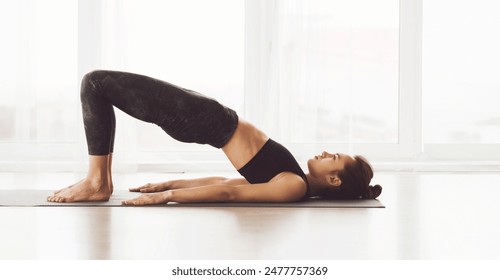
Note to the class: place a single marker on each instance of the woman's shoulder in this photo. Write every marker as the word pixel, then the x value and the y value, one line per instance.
pixel 291 180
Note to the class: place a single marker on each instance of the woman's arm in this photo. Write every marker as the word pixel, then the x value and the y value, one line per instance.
pixel 288 188
pixel 188 183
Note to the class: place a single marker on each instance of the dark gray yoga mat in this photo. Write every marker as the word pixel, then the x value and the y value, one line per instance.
pixel 37 198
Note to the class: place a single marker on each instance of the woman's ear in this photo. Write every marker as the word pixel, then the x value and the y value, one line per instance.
pixel 334 180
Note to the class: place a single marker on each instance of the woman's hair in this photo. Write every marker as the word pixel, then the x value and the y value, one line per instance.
pixel 355 182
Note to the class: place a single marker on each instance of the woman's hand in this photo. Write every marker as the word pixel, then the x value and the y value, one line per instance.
pixel 149 199
pixel 153 187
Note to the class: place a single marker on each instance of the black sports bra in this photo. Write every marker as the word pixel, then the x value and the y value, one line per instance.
pixel 271 160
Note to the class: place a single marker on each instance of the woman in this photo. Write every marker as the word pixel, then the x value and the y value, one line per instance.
pixel 270 173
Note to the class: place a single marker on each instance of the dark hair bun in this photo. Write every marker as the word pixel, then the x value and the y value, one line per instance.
pixel 375 191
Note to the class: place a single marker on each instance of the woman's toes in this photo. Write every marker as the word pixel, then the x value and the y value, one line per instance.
pixel 55 198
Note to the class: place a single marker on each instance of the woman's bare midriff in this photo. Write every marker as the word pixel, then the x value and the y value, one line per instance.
pixel 245 143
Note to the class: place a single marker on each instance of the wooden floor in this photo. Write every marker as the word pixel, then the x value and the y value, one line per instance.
pixel 427 216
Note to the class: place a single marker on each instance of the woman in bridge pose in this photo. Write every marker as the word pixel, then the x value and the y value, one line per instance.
pixel 269 171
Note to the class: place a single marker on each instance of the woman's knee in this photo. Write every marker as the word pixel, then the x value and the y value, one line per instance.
pixel 92 78
pixel 91 82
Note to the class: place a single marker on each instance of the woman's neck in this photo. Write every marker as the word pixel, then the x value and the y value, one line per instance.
pixel 316 186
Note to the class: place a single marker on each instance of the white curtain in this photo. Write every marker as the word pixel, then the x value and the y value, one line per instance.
pixel 48 45
pixel 323 74
pixel 327 71
pixel 196 44
pixel 38 79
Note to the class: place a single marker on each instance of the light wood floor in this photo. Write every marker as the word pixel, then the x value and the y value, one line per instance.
pixel 428 216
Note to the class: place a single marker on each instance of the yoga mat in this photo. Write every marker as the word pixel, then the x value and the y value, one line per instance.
pixel 37 198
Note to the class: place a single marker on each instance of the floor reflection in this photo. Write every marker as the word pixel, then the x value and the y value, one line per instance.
pixel 408 209
pixel 73 232
pixel 99 232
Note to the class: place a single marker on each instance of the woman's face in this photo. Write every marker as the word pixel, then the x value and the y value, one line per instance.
pixel 326 164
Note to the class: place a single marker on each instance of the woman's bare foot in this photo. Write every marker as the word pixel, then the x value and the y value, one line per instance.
pixel 85 190
pixel 109 180
pixel 58 191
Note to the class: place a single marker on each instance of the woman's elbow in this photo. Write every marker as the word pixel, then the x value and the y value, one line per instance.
pixel 231 195
pixel 238 194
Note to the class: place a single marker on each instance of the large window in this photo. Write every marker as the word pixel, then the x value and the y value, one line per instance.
pixel 326 73
pixel 392 80
pixel 461 73
pixel 48 45
pixel 196 44
pixel 38 71
pixel 461 88
pixel 339 69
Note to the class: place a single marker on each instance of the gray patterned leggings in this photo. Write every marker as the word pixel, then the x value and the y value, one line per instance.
pixel 185 115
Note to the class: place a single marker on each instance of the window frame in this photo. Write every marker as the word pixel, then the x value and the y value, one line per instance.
pixel 478 154
pixel 260 24
pixel 410 148
pixel 410 151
